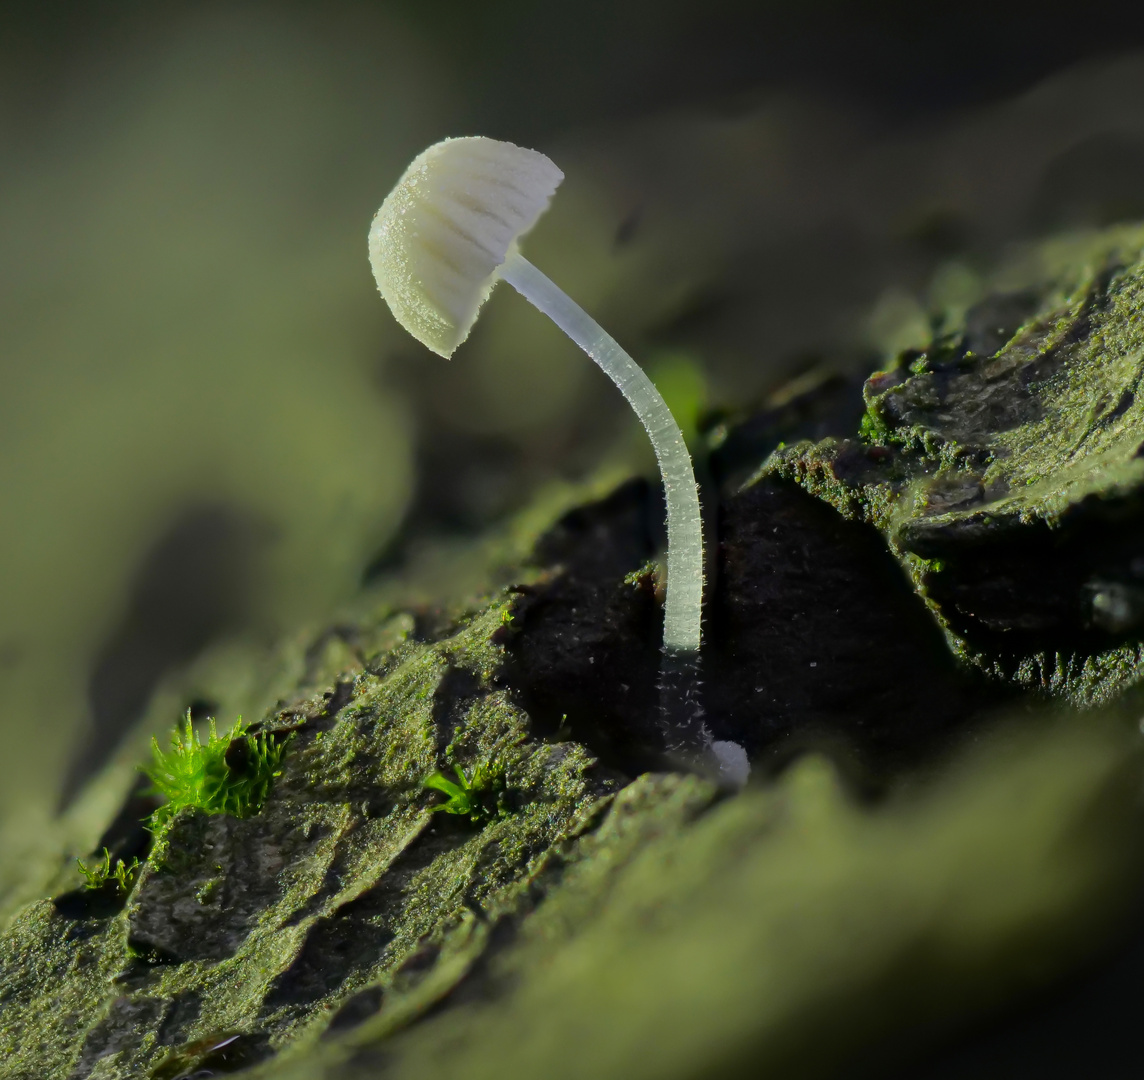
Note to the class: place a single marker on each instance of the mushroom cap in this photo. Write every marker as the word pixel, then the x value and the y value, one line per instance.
pixel 442 232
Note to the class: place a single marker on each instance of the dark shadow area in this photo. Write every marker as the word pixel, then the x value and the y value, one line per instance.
pixel 1086 1027
pixel 349 939
pixel 603 60
pixel 583 646
pixel 356 1009
pixel 85 903
pixel 813 637
pixel 1078 588
pixel 183 1012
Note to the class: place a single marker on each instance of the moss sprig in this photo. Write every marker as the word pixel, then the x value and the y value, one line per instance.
pixel 480 796
pixel 117 877
pixel 228 774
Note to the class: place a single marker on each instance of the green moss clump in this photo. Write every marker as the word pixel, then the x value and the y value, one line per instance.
pixel 229 774
pixel 479 797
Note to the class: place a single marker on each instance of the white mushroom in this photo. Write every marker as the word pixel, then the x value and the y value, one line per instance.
pixel 442 239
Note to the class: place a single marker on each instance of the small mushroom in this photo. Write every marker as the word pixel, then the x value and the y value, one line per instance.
pixel 442 239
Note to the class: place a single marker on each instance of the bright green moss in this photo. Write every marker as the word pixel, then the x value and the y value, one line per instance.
pixel 480 797
pixel 229 774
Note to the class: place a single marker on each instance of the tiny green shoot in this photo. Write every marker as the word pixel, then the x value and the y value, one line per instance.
pixel 101 874
pixel 228 774
pixel 647 572
pixel 480 796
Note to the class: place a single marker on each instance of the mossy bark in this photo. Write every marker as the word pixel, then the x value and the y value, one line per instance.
pixel 922 843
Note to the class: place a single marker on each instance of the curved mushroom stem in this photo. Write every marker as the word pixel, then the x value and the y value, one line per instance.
pixel 681 712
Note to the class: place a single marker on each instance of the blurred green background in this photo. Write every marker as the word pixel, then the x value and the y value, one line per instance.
pixel 211 428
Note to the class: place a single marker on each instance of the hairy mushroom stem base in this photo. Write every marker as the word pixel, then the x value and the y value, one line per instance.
pixel 681 711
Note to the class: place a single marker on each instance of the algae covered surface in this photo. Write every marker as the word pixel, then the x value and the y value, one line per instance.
pixel 935 828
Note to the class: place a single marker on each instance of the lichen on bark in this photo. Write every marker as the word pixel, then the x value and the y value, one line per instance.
pixel 1003 466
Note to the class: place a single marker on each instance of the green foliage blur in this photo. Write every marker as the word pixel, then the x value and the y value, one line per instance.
pixel 187 319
